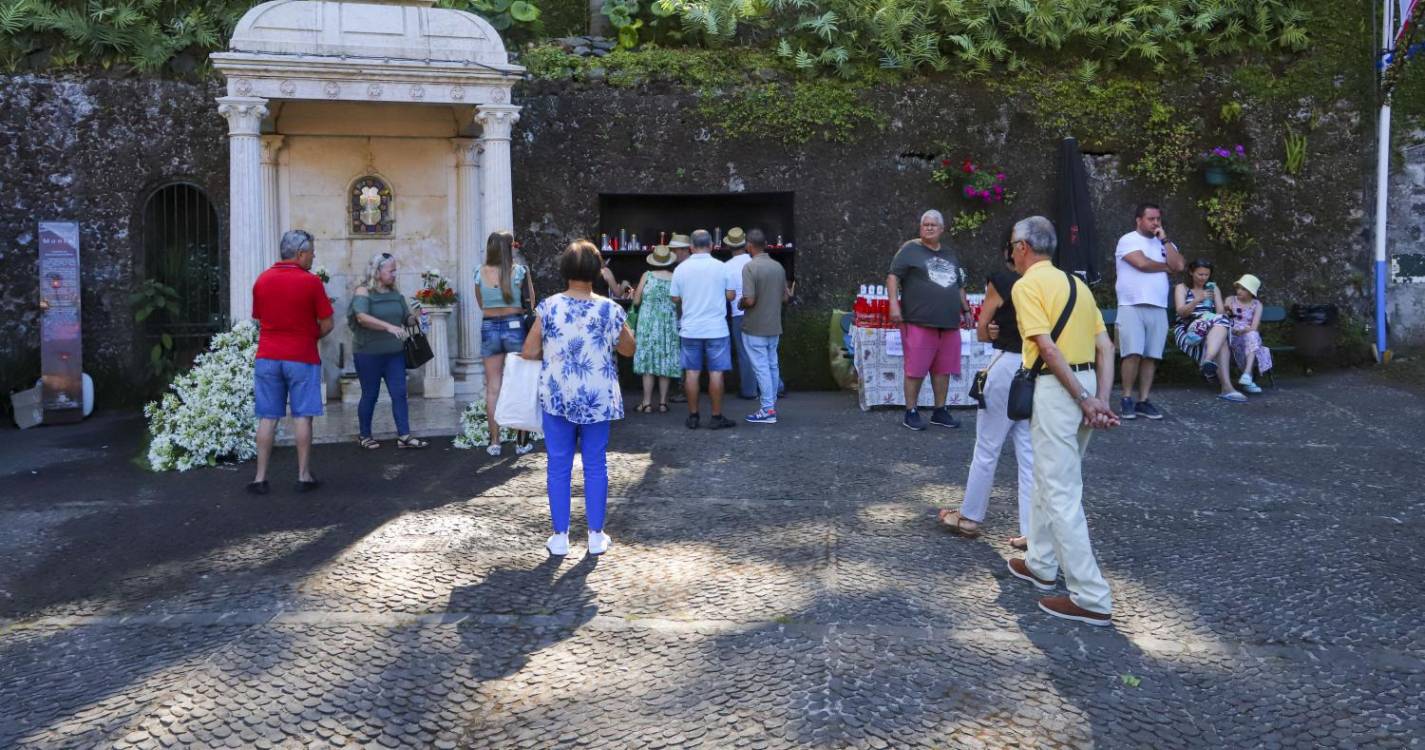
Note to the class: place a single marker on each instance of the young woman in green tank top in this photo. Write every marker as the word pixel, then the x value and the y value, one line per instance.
pixel 379 315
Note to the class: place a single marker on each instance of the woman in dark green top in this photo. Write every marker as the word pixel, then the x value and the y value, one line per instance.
pixel 379 315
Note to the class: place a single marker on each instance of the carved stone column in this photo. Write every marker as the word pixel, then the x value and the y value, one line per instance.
pixel 272 226
pixel 245 218
pixel 497 208
pixel 469 256
pixel 438 381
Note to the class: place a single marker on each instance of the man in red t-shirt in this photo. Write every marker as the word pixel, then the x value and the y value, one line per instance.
pixel 292 312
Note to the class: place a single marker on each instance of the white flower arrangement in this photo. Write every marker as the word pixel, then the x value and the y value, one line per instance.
pixel 322 273
pixel 207 415
pixel 475 429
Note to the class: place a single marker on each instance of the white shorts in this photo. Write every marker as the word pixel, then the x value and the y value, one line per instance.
pixel 1142 330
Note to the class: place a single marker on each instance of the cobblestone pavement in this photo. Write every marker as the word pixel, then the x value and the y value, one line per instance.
pixel 769 587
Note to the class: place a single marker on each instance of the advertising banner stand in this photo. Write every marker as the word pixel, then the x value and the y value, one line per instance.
pixel 61 363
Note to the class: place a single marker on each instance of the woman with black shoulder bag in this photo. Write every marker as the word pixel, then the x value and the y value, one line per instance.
pixel 379 319
pixel 992 425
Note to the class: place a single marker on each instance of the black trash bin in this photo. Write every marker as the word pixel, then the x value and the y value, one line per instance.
pixel 1315 330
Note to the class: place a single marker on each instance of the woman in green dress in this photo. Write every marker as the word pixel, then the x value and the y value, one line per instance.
pixel 657 333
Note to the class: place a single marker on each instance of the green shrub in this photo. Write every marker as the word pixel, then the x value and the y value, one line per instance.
pixel 794 113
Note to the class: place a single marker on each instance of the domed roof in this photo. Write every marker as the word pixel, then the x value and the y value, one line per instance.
pixel 391 29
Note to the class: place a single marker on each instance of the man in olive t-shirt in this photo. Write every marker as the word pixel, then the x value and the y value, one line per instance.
pixel 931 304
pixel 764 288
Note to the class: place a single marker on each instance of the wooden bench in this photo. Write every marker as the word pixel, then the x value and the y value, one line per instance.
pixel 1270 314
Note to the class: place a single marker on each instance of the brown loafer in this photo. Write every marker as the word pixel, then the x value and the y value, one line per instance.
pixel 1020 570
pixel 1063 607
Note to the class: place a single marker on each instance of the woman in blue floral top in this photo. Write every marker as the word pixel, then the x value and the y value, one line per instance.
pixel 575 335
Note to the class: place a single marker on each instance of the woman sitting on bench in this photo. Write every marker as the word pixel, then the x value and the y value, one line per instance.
pixel 1201 329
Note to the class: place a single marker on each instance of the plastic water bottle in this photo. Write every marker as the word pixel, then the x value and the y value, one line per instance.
pixel 425 321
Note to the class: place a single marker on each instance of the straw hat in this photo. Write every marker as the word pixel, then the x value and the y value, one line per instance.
pixel 735 237
pixel 680 240
pixel 661 257
pixel 1250 283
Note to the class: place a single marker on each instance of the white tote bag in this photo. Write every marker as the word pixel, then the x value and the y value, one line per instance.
pixel 518 407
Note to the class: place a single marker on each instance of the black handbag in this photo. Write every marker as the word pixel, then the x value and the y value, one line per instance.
pixel 1021 389
pixel 417 348
pixel 982 378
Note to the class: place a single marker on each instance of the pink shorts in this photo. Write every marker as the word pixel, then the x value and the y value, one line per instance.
pixel 934 351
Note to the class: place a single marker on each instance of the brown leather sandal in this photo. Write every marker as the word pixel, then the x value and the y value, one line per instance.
pixel 953 522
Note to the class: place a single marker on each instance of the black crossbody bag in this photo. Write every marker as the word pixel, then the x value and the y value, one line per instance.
pixel 1021 389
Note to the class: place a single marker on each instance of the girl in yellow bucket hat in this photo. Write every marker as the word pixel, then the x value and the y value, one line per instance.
pixel 1247 349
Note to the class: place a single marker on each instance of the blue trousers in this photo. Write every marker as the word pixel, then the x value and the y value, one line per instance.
pixel 762 356
pixel 371 369
pixel 746 379
pixel 560 436
pixel 747 385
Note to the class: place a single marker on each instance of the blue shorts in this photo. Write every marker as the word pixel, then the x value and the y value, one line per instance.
pixel 501 335
pixel 713 355
pixel 276 381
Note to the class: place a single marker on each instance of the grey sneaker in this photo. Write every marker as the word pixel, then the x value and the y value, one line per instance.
pixel 1125 408
pixel 913 420
pixel 1147 409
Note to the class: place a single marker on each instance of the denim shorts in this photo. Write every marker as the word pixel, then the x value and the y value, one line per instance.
pixel 713 355
pixel 277 381
pixel 501 335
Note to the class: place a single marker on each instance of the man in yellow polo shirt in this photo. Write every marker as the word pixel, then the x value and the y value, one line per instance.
pixel 1070 401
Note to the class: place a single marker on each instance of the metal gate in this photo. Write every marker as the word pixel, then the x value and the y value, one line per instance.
pixel 182 250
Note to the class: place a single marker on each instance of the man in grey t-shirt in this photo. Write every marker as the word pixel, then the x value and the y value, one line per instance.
pixel 764 289
pixel 931 304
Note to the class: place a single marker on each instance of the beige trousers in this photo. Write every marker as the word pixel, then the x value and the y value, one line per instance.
pixel 1058 532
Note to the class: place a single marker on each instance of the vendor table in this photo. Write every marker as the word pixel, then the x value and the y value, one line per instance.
pixel 880 368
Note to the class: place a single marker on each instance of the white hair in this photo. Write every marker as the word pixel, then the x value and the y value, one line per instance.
pixel 294 242
pixel 932 213
pixel 373 270
pixel 1038 232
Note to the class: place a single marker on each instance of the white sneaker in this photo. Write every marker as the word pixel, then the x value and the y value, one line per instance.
pixel 520 450
pixel 1248 384
pixel 494 449
pixel 558 545
pixel 599 542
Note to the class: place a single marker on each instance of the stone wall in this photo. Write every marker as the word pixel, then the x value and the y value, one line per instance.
pixel 90 149
pixel 856 202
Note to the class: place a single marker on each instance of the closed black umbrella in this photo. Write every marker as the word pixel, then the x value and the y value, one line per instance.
pixel 1078 240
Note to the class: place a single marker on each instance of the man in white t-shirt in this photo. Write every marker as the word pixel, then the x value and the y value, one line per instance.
pixel 1144 258
pixel 701 290
pixel 736 242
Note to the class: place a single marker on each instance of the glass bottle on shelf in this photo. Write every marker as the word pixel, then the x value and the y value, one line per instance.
pixel 604 244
